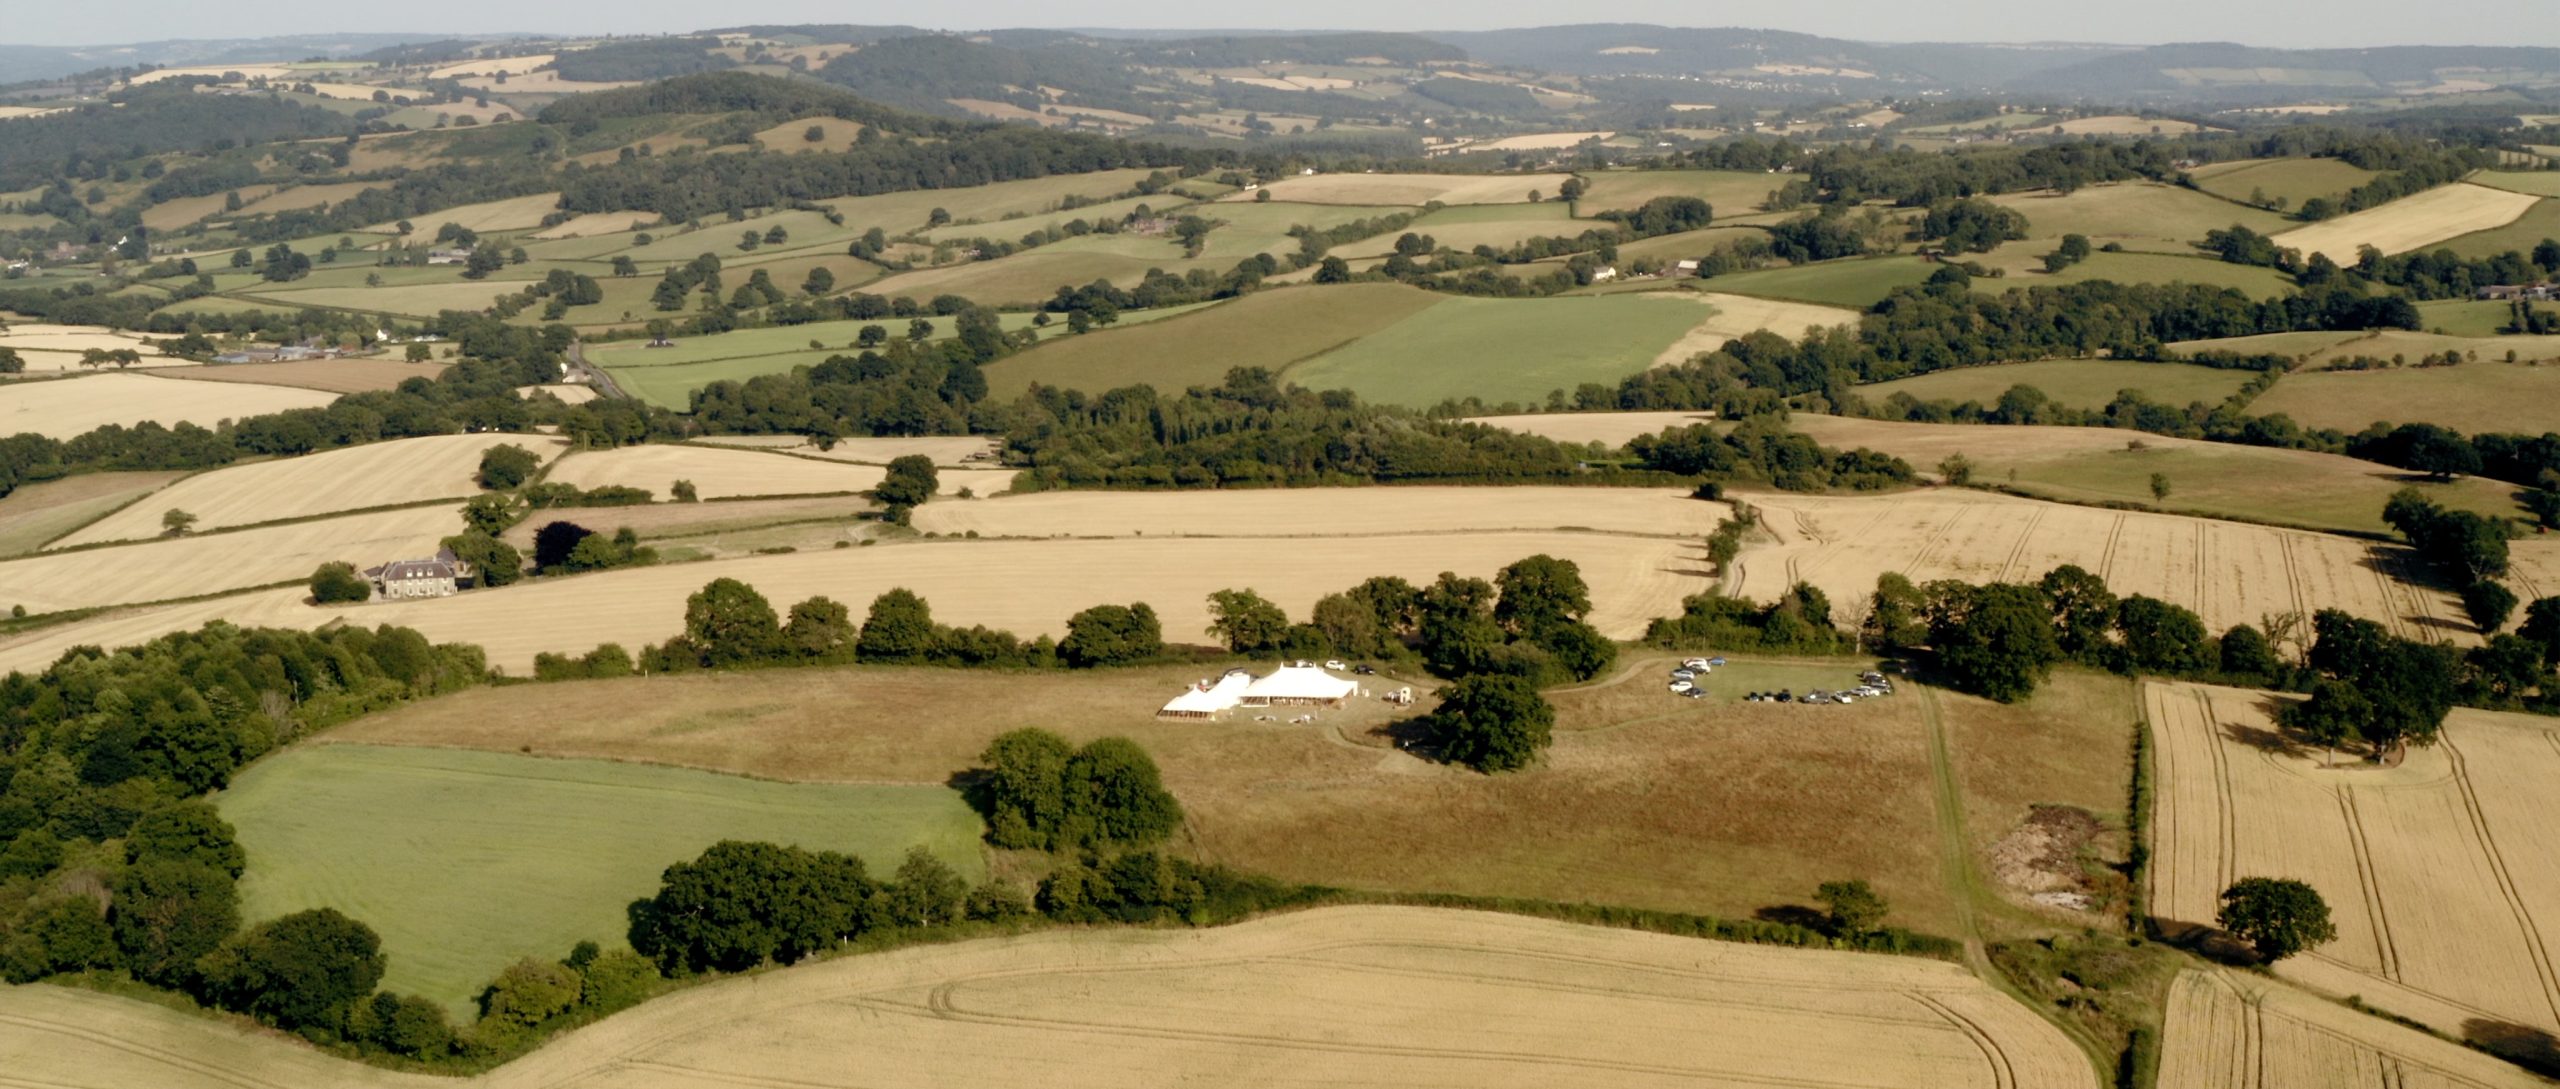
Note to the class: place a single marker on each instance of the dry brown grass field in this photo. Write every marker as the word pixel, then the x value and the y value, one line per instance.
pixel 25 335
pixel 513 66
pixel 1336 996
pixel 1730 192
pixel 2412 222
pixel 2471 398
pixel 948 451
pixel 2437 870
pixel 2228 572
pixel 35 514
pixel 1414 189
pixel 2227 1031
pixel 1328 512
pixel 723 472
pixel 355 478
pixel 67 407
pixel 1031 587
pixel 2095 464
pixel 512 214
pixel 1738 316
pixel 32 651
pixel 217 562
pixel 566 393
pixel 707 526
pixel 326 375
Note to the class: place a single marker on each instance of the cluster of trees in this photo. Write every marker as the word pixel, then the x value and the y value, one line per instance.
pixel 1039 793
pixel 1974 225
pixel 742 904
pixel 2468 548
pixel 1799 622
pixel 1762 450
pixel 116 751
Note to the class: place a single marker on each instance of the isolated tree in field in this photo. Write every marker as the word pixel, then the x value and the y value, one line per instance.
pixel 2159 487
pixel 1246 622
pixel 337 582
pixel 507 466
pixel 2278 917
pixel 728 623
pixel 176 523
pixel 1493 722
pixel 301 969
pixel 1956 469
pixel 909 482
pixel 899 628
pixel 1106 635
pixel 683 491
pixel 1854 910
pixel 820 281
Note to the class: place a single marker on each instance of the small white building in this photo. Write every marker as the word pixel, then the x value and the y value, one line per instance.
pixel 1300 683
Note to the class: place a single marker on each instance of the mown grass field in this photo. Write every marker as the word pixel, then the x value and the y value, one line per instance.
pixel 2470 318
pixel 1466 226
pixel 1857 283
pixel 1270 329
pixel 2542 221
pixel 2024 262
pixel 2293 180
pixel 2073 383
pixel 2139 215
pixel 2540 183
pixel 465 861
pixel 36 514
pixel 1730 192
pixel 2471 398
pixel 1504 350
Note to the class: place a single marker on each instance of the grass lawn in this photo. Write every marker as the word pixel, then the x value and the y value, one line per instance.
pixel 1729 192
pixel 668 376
pixel 2529 230
pixel 2141 215
pixel 1857 283
pixel 1272 329
pixel 2294 180
pixel 1646 799
pixel 2074 383
pixel 2471 398
pixel 1504 350
pixel 465 861
pixel 2078 464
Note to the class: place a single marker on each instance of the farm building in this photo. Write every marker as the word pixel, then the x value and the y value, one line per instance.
pixel 1299 684
pixel 437 576
pixel 1207 699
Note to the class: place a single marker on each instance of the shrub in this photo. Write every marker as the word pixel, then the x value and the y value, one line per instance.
pixel 335 582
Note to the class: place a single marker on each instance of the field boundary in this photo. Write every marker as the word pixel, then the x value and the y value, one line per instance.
pixel 218 531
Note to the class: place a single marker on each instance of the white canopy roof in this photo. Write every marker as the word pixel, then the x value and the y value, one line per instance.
pixel 1301 682
pixel 1196 700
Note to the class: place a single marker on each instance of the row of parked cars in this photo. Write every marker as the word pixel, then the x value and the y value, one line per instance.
pixel 1684 679
pixel 1870 686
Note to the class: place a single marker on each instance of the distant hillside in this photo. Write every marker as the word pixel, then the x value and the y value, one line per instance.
pixel 20 63
pixel 2225 71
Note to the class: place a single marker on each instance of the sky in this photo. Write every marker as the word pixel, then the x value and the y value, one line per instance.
pixel 2294 23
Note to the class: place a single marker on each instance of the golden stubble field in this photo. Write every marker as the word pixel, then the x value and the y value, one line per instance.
pixel 2228 572
pixel 2411 222
pixel 68 407
pixel 2227 1031
pixel 947 451
pixel 213 563
pixel 1328 512
pixel 1330 997
pixel 723 472
pixel 1412 189
pixel 2437 872
pixel 355 478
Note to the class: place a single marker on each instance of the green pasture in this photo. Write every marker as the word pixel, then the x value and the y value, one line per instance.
pixel 1464 227
pixel 2138 215
pixel 1729 192
pixel 464 861
pixel 1504 349
pixel 2294 180
pixel 1271 329
pixel 2472 317
pixel 898 213
pixel 2540 183
pixel 2540 222
pixel 2144 268
pixel 2072 383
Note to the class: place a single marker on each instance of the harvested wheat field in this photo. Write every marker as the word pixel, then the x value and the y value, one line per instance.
pixel 2437 870
pixel 1611 429
pixel 567 393
pixel 2228 572
pixel 1413 189
pixel 949 451
pixel 354 478
pixel 217 562
pixel 1031 587
pixel 596 223
pixel 511 214
pixel 68 407
pixel 2228 1031
pixel 34 650
pixel 1739 316
pixel 1328 512
pixel 514 66
pixel 1330 997
pixel 2410 223
pixel 325 375
pixel 34 514
pixel 68 338
pixel 719 473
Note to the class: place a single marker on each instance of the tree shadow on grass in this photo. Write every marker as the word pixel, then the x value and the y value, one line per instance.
pixel 1813 919
pixel 1412 736
pixel 2523 1045
pixel 2206 940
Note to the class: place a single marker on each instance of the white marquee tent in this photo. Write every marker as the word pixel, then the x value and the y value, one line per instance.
pixel 1205 700
pixel 1299 684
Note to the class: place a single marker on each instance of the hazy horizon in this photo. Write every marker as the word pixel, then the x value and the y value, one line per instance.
pixel 2331 24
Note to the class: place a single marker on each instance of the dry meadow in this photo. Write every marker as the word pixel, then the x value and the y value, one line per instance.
pixel 379 474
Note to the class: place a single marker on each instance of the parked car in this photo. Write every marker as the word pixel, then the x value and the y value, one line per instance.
pixel 1335 663
pixel 1683 675
pixel 1681 686
pixel 1814 697
pixel 1695 663
pixel 1843 697
pixel 1711 662
pixel 1695 693
pixel 1365 669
